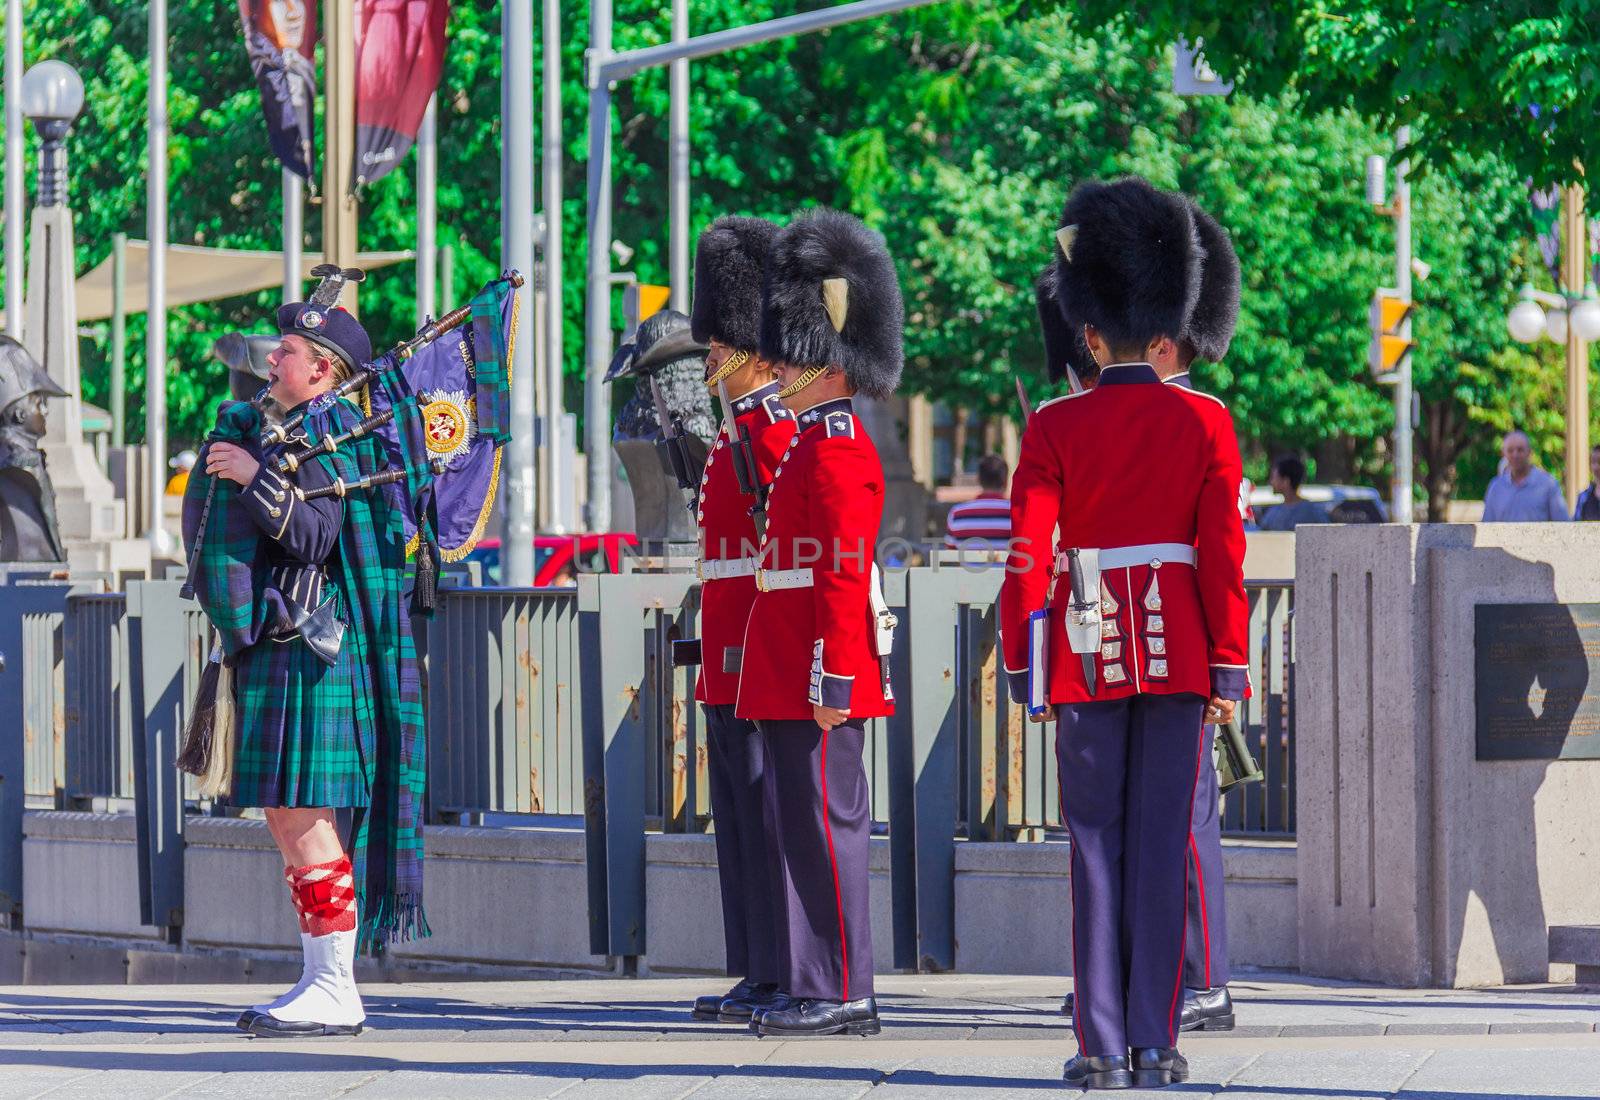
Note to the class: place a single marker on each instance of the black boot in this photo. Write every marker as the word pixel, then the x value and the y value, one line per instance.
pixel 1207 1010
pixel 780 999
pixel 738 1010
pixel 1088 1071
pixel 1157 1067
pixel 815 1017
pixel 1066 1005
pixel 709 1007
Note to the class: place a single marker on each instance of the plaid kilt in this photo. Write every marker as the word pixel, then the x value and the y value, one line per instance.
pixel 305 732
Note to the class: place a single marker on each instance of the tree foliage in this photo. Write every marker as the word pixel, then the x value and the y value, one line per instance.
pixel 956 130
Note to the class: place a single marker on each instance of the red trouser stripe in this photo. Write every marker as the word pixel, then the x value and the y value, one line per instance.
pixel 1183 926
pixel 838 898
pixel 1205 922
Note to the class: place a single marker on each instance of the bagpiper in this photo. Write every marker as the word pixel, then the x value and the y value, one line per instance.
pixel 1207 1004
pixel 302 576
pixel 730 268
pixel 1134 624
pixel 816 649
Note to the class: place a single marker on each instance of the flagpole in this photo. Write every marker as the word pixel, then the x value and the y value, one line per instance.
pixel 16 185
pixel 155 333
pixel 293 234
pixel 557 477
pixel 678 163
pixel 339 210
pixel 427 211
pixel 516 219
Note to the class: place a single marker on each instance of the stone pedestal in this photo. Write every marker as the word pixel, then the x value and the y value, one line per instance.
pixel 1420 865
pixel 91 518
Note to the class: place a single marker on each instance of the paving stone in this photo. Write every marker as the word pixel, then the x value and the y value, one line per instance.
pixel 452 1082
pixel 1057 1033
pixel 1498 1072
pixel 963 1077
pixel 325 1082
pixel 637 1083
pixel 19 1081
pixel 121 1084
pixel 1329 1031
pixel 762 1082
pixel 1437 1029
pixel 1241 1031
pixel 1541 1027
pixel 1372 1070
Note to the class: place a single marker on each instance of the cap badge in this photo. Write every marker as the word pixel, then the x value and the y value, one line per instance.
pixel 311 319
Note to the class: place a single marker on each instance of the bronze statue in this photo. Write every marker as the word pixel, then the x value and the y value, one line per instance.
pixel 28 529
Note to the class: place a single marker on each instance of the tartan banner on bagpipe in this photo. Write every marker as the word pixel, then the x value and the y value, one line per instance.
pixel 452 415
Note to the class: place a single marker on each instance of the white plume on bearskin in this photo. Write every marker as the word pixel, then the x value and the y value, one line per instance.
pixel 833 299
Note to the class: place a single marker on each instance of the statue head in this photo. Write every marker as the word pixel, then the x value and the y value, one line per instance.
pixel 24 387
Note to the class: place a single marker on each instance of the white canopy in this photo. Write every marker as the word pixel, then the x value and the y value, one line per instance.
pixel 196 274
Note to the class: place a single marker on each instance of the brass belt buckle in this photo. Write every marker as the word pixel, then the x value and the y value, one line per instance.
pixel 761 581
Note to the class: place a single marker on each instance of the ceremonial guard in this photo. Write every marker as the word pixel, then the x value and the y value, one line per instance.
pixel 817 645
pixel 730 267
pixel 1142 637
pixel 1206 1002
pixel 300 568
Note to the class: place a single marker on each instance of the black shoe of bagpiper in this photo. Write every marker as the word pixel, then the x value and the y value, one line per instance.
pixel 709 1007
pixel 1088 1071
pixel 261 1025
pixel 780 999
pixel 814 1017
pixel 738 1010
pixel 1157 1067
pixel 1066 1005
pixel 1207 1010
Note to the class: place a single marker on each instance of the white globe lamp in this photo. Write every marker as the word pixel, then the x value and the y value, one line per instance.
pixel 1526 321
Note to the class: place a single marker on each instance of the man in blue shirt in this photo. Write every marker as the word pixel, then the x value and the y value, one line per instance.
pixel 1288 472
pixel 1588 502
pixel 1522 493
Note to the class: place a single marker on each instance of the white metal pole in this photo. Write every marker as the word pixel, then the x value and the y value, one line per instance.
pixel 678 167
pixel 16 182
pixel 427 211
pixel 155 338
pixel 597 319
pixel 294 234
pixel 556 505
pixel 516 214
pixel 1403 475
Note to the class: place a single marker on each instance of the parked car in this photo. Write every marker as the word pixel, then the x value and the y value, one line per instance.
pixel 558 559
pixel 1346 503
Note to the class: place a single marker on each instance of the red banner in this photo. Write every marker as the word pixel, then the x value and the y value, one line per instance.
pixel 281 38
pixel 399 56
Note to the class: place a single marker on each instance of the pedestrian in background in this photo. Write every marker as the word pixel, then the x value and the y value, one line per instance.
pixel 984 522
pixel 182 465
pixel 1288 474
pixel 1522 492
pixel 1588 505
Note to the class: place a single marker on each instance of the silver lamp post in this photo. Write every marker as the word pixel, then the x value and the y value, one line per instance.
pixel 52 99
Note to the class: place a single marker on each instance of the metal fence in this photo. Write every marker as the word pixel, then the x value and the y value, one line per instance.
pixel 566 702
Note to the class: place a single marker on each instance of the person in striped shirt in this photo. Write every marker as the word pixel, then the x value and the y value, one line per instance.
pixel 984 522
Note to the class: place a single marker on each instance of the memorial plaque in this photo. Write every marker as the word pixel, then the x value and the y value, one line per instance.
pixel 1534 664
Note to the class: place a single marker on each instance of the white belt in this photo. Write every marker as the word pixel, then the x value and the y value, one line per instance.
pixel 1150 553
pixel 771 580
pixel 720 569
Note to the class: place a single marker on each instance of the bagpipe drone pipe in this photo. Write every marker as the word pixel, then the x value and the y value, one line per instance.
pixel 439 406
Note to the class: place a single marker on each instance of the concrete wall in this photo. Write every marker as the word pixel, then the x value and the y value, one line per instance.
pixel 512 901
pixel 1419 864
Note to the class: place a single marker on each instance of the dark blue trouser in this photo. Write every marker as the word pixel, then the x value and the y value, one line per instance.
pixel 1205 953
pixel 737 756
pixel 822 822
pixel 1128 772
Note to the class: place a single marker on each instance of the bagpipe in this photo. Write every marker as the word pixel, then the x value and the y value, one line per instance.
pixel 439 406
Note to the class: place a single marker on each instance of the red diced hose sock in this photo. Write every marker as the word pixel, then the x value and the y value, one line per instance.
pixel 326 893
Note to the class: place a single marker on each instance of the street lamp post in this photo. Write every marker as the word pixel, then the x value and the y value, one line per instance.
pixel 1572 319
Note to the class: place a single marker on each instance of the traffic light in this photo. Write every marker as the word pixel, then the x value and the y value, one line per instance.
pixel 641 300
pixel 1390 319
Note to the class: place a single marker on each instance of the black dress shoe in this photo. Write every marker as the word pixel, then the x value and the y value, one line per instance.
pixel 709 1007
pixel 263 1026
pixel 808 1016
pixel 1066 1005
pixel 1089 1071
pixel 780 999
pixel 1207 1010
pixel 1157 1067
pixel 738 1010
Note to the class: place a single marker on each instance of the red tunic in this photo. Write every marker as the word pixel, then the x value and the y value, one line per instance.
pixel 816 644
pixel 728 532
pixel 1129 463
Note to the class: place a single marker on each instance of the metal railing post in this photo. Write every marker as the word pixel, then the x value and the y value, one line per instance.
pixel 156 617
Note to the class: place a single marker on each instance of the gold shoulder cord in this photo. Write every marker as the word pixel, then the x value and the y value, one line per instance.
pixel 734 362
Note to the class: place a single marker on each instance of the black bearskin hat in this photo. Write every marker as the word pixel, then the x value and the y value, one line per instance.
pixel 1062 330
pixel 730 266
pixel 1129 260
pixel 833 299
pixel 1217 310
